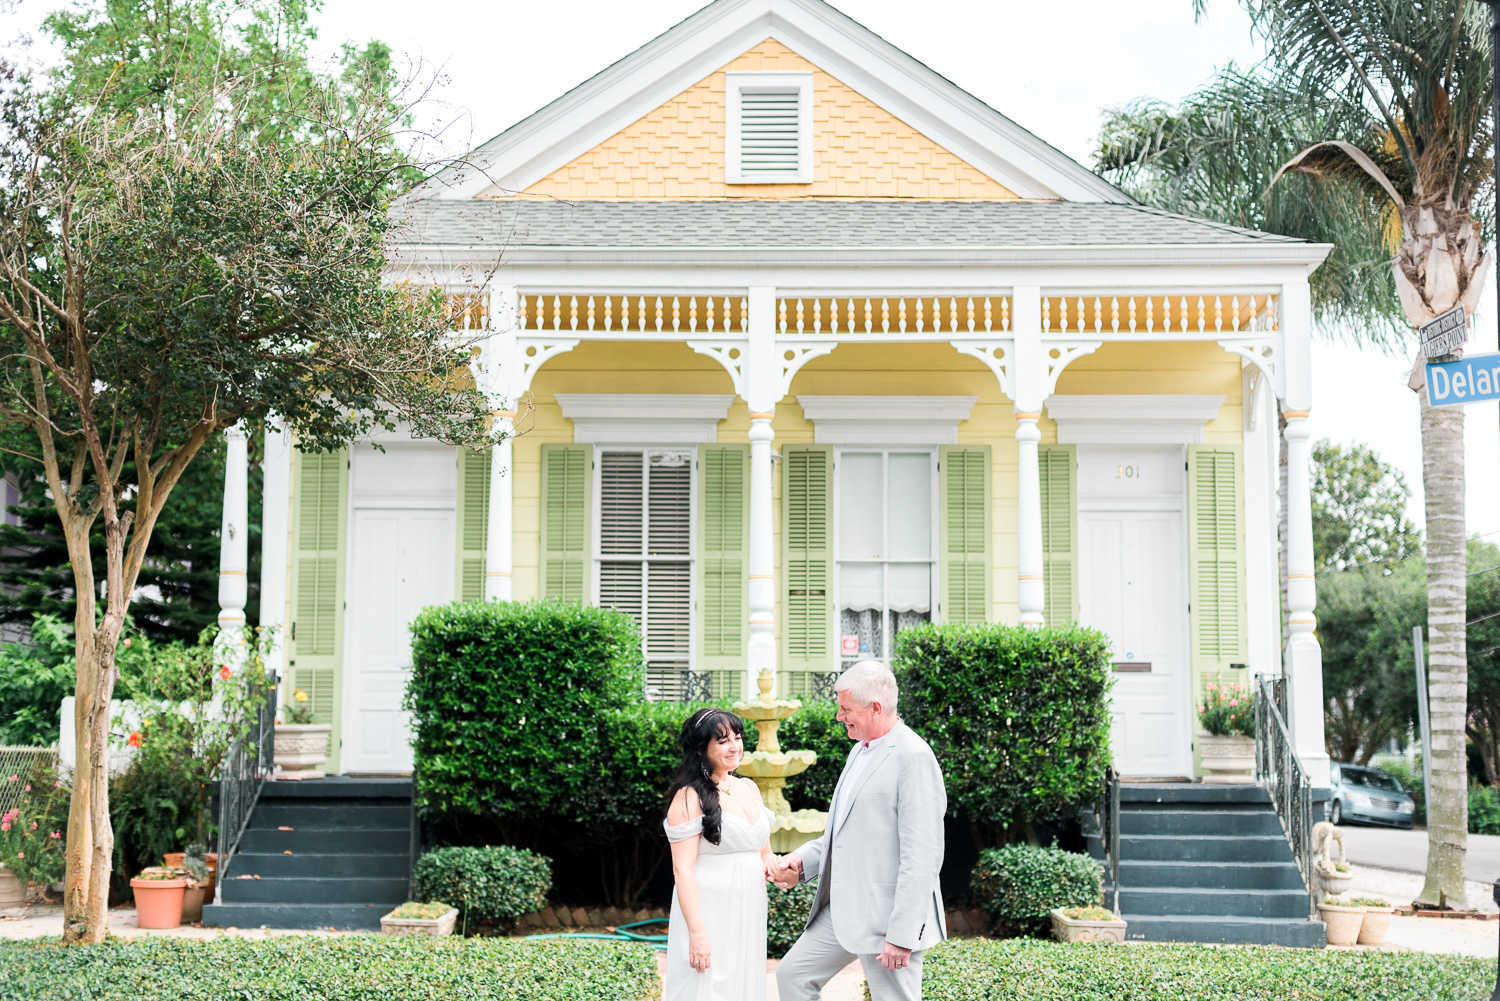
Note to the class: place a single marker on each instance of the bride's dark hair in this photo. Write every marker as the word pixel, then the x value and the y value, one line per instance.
pixel 703 726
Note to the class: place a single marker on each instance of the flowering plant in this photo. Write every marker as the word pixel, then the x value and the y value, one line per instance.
pixel 299 711
pixel 1228 710
pixel 32 837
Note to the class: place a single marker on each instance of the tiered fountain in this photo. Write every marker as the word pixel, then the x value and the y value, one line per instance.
pixel 769 766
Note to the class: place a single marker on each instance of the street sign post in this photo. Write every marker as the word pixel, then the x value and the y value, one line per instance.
pixel 1444 335
pixel 1468 380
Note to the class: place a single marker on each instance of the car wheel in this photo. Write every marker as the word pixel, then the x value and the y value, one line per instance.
pixel 1335 813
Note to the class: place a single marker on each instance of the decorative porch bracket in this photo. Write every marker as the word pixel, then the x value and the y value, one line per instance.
pixel 1265 353
pixel 731 356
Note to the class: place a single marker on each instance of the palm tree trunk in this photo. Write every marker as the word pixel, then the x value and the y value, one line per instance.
pixel 1447 682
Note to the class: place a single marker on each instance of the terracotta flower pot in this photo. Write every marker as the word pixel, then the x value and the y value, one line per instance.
pixel 1373 929
pixel 1343 923
pixel 174 860
pixel 192 904
pixel 301 749
pixel 158 902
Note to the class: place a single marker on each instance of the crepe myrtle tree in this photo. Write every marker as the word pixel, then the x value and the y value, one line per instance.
pixel 164 276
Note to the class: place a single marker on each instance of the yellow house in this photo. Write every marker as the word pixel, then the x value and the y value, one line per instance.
pixel 802 344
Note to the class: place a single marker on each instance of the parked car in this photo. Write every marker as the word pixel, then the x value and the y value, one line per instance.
pixel 1369 795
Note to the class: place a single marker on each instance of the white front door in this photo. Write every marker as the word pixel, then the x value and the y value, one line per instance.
pixel 402 561
pixel 1133 587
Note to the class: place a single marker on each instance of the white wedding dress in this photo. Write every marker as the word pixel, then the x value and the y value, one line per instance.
pixel 732 899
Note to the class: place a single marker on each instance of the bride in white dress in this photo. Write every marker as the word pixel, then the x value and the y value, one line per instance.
pixel 721 856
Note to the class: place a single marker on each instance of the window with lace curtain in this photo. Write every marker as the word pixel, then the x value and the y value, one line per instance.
pixel 885 545
pixel 644 559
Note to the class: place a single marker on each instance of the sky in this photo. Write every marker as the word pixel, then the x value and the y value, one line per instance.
pixel 1050 67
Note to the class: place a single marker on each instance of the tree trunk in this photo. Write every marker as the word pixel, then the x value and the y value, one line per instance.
pixel 1447 682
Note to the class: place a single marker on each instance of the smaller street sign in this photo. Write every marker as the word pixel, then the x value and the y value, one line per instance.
pixel 1444 335
pixel 1468 380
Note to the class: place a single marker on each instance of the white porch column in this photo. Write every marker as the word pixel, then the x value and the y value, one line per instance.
pixel 1303 659
pixel 1029 379
pixel 233 546
pixel 762 389
pixel 501 364
pixel 276 482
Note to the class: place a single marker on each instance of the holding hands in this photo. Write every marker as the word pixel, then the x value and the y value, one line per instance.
pixel 784 870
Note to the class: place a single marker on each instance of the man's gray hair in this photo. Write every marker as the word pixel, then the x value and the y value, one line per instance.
pixel 869 681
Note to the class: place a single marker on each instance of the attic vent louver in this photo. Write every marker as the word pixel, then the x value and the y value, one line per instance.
pixel 770 128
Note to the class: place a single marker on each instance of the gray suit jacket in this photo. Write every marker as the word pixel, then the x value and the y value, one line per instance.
pixel 884 850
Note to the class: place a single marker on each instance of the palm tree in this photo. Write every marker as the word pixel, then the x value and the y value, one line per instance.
pixel 1366 126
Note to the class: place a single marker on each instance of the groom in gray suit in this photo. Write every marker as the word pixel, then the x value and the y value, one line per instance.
pixel 877 863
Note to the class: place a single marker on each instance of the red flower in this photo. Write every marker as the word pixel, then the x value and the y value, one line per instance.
pixel 134 740
pixel 224 672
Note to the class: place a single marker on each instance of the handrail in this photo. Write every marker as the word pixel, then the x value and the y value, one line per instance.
pixel 246 768
pixel 1280 772
pixel 1108 815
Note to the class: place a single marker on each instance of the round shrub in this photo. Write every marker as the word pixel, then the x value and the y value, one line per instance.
pixel 492 885
pixel 786 915
pixel 1019 884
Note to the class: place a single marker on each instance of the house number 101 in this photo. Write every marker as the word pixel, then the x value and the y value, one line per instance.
pixel 1127 471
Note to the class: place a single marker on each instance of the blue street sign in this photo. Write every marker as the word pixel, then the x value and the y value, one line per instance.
pixel 1468 380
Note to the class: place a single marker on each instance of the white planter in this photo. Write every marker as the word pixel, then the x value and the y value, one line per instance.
pixel 1068 929
pixel 12 890
pixel 440 925
pixel 1377 923
pixel 1343 923
pixel 1227 759
pixel 301 750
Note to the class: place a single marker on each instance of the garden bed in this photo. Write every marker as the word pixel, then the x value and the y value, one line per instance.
pixel 1027 970
pixel 349 968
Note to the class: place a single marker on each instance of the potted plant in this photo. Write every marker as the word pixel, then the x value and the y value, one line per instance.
pixel 414 918
pixel 210 860
pixel 195 869
pixel 158 894
pixel 1377 921
pixel 12 890
pixel 1087 924
pixel 301 744
pixel 1227 745
pixel 1342 918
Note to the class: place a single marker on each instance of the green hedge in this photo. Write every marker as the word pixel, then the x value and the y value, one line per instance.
pixel 492 885
pixel 1019 884
pixel 786 915
pixel 1484 809
pixel 510 704
pixel 344 968
pixel 1028 970
pixel 1019 718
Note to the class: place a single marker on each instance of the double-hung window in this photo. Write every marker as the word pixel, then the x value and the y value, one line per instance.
pixel 885 547
pixel 643 556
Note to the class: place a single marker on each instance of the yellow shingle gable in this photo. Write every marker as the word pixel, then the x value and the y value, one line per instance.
pixel 677 151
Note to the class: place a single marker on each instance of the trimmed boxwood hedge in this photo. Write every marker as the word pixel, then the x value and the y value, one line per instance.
pixel 786 915
pixel 493 884
pixel 1018 885
pixel 345 968
pixel 1030 970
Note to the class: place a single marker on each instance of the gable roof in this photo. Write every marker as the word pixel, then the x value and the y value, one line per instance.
pixel 789 224
pixel 706 40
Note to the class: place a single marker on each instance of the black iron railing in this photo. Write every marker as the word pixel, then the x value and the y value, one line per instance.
pixel 1108 814
pixel 1278 769
pixel 246 768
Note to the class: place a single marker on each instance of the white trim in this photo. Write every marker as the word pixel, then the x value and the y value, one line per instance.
pixel 707 40
pixel 886 420
pixel 1161 419
pixel 637 418
pixel 735 85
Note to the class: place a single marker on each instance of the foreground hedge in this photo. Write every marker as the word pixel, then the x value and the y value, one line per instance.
pixel 1027 970
pixel 347 968
pixel 491 884
pixel 1019 885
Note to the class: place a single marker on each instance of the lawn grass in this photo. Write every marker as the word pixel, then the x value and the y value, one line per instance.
pixel 344 968
pixel 1034 970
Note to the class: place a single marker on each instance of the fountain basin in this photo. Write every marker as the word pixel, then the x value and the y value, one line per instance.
pixel 778 764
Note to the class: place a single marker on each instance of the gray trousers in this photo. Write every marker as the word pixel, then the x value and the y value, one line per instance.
pixel 817 956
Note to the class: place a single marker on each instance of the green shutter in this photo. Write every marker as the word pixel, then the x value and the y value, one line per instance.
pixel 807 564
pixel 1058 465
pixel 321 481
pixel 473 522
pixel 566 470
pixel 965 545
pixel 1216 560
pixel 723 555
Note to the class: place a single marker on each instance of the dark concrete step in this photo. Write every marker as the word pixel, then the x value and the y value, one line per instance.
pixel 1181 795
pixel 317 863
pixel 1204 848
pixel 345 917
pixel 239 889
pixel 339 787
pixel 1301 934
pixel 1258 821
pixel 326 839
pixel 1214 903
pixel 1211 875
pixel 317 813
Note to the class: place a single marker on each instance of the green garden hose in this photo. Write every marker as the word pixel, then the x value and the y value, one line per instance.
pixel 622 933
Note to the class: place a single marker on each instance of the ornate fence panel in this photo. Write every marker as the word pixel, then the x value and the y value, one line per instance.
pixel 248 765
pixel 1107 812
pixel 1278 769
